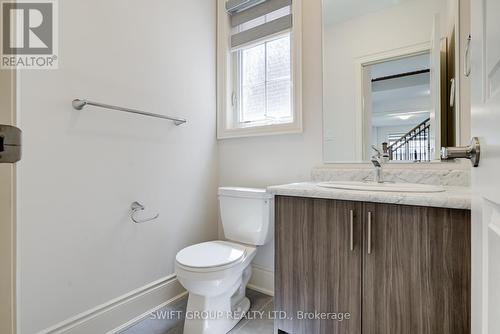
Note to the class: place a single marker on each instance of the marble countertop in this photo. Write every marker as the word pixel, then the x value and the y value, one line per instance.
pixel 453 197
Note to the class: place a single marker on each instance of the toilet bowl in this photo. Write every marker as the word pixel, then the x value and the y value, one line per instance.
pixel 216 273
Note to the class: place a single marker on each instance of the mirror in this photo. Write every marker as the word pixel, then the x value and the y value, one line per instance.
pixel 389 79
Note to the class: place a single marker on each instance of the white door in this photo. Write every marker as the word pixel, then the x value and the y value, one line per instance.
pixel 435 129
pixel 7 208
pixel 485 62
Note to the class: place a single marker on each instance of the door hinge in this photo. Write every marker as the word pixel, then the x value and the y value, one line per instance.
pixel 10 144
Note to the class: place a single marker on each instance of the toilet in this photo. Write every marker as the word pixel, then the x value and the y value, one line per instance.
pixel 216 273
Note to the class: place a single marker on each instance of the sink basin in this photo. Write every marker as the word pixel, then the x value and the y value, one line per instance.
pixel 383 187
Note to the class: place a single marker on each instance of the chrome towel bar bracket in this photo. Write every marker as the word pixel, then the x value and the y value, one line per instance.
pixel 136 207
pixel 79 104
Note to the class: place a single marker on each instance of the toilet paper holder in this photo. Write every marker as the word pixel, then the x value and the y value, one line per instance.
pixel 136 207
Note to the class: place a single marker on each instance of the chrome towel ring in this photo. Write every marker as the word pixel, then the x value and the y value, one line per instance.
pixel 136 207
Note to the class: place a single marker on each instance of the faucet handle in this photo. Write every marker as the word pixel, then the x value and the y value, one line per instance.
pixel 378 153
pixel 384 154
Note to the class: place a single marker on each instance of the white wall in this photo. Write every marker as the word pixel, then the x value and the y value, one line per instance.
pixel 263 161
pixel 407 24
pixel 381 133
pixel 82 170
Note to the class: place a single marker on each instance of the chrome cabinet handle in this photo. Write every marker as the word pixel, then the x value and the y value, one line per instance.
pixel 351 216
pixel 467 65
pixel 369 233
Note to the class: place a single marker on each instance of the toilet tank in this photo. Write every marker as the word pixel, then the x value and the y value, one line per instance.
pixel 247 215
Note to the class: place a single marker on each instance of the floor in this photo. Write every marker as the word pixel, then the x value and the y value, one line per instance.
pixel 174 323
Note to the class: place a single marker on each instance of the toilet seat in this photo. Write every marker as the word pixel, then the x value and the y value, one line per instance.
pixel 211 256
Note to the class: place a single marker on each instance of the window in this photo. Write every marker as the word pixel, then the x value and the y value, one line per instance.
pixel 259 70
pixel 394 137
pixel 263 83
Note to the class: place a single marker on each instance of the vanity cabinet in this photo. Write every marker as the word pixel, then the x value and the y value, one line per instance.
pixel 395 269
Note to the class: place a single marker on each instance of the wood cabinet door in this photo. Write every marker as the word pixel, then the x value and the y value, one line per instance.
pixel 416 271
pixel 317 270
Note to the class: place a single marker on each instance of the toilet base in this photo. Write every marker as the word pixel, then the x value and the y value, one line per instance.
pixel 213 322
pixel 219 314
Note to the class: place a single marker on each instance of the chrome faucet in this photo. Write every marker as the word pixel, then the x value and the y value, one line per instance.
pixel 378 160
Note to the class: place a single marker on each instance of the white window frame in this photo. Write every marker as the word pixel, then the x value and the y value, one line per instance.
pixel 225 71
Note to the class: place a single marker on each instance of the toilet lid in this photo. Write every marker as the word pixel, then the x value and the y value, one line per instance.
pixel 210 254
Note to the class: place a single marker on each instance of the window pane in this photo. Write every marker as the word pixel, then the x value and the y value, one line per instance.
pixel 253 84
pixel 278 78
pixel 278 58
pixel 254 65
pixel 254 103
pixel 279 99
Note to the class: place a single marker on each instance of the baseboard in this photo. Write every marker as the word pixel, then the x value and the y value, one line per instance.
pixel 143 316
pixel 262 280
pixel 123 311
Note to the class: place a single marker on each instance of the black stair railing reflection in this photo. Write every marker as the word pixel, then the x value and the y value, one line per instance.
pixel 414 145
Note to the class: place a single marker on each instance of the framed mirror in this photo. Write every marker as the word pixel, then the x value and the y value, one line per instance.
pixel 390 79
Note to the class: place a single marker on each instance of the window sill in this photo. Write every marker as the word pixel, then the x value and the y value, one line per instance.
pixel 263 130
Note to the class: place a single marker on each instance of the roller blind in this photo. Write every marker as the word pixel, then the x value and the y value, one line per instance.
pixel 252 20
